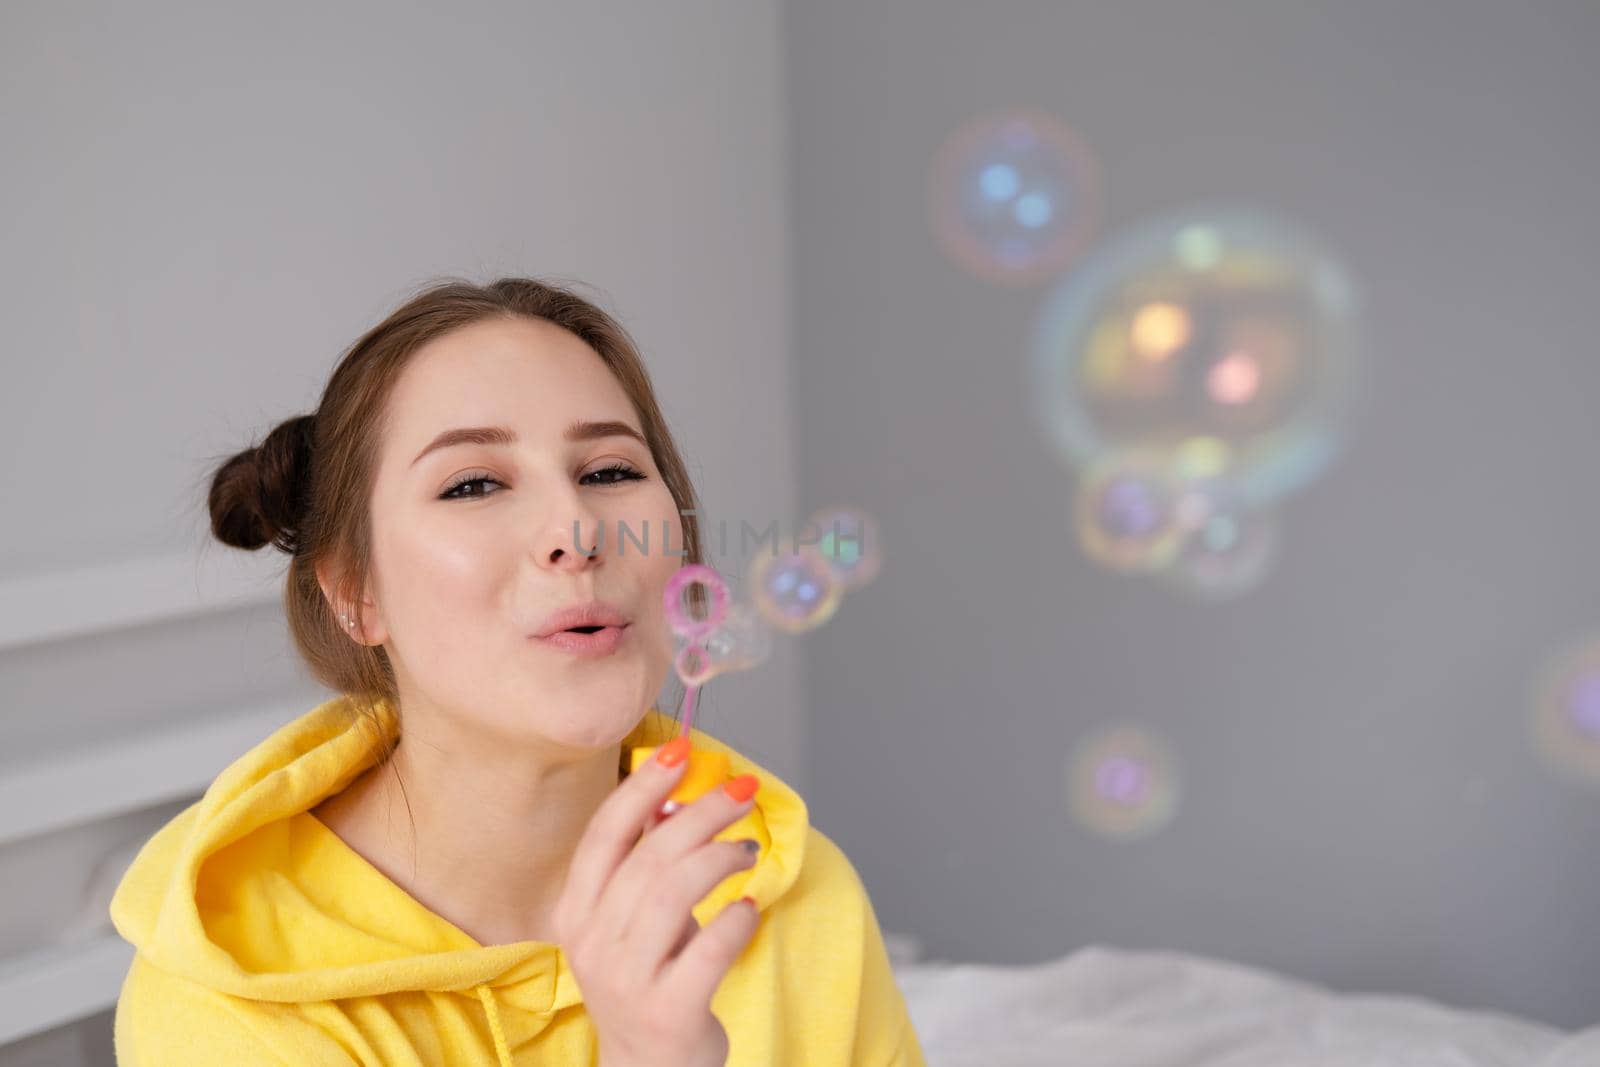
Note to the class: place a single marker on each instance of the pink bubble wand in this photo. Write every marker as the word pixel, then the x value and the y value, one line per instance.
pixel 693 630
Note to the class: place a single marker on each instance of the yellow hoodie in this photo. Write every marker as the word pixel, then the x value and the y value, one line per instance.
pixel 263 938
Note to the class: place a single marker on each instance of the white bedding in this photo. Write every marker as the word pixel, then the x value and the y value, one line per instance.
pixel 1101 1007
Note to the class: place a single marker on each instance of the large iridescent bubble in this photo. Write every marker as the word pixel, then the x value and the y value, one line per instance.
pixel 1013 197
pixel 1221 327
pixel 1122 782
pixel 1566 720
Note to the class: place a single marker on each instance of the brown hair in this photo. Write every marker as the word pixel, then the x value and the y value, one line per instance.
pixel 307 487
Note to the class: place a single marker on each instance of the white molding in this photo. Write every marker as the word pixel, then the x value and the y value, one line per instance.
pixel 77 601
pixel 96 782
pixel 53 986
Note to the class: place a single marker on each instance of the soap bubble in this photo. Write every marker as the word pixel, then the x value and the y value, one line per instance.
pixel 742 641
pixel 794 591
pixel 1567 712
pixel 1128 512
pixel 850 544
pixel 1226 327
pixel 1227 551
pixel 1122 782
pixel 1013 197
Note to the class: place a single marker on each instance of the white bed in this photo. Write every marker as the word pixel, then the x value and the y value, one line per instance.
pixel 1101 1007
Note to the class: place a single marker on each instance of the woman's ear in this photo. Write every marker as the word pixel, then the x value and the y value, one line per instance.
pixel 357 616
pixel 328 581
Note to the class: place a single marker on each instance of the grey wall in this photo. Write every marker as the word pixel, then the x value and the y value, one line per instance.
pixel 1363 805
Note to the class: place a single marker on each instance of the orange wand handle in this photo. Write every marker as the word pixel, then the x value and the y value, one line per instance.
pixel 706 771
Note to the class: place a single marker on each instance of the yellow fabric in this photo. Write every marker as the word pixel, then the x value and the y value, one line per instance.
pixel 264 939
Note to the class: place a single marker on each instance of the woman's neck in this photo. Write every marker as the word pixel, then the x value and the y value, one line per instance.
pixel 483 841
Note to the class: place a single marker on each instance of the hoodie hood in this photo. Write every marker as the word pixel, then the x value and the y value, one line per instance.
pixel 247 893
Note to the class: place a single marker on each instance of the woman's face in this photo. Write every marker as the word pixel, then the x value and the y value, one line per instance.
pixel 465 571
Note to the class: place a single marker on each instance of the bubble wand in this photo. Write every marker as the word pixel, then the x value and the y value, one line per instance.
pixel 695 665
pixel 695 658
pixel 795 593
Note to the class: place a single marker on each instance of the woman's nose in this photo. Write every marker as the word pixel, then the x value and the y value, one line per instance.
pixel 574 543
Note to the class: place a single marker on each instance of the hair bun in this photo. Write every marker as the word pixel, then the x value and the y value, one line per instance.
pixel 260 494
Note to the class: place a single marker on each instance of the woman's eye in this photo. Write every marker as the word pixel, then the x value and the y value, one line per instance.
pixel 476 479
pixel 623 474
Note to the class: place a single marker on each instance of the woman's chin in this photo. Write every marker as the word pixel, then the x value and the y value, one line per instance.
pixel 593 721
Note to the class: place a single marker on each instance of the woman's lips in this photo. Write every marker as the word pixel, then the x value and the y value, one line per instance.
pixel 600 643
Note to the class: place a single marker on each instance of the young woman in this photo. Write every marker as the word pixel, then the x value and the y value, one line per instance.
pixel 449 863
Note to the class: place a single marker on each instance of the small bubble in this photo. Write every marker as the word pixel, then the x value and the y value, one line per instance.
pixel 1013 197
pixel 1566 718
pixel 794 591
pixel 1122 782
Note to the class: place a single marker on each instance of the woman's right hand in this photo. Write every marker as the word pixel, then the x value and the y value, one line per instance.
pixel 625 921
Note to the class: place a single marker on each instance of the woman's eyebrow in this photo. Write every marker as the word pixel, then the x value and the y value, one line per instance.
pixel 578 430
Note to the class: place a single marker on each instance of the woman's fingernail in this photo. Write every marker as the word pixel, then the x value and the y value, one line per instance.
pixel 673 752
pixel 750 845
pixel 743 787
